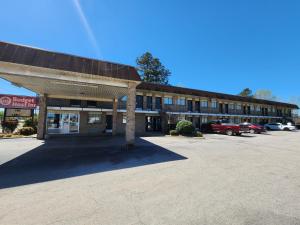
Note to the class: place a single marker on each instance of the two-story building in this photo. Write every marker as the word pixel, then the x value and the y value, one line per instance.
pixel 85 96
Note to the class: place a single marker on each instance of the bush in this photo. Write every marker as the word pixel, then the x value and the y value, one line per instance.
pixel 174 133
pixel 26 131
pixel 198 134
pixel 31 123
pixel 9 126
pixel 185 127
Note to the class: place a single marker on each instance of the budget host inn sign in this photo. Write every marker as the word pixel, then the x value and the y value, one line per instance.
pixel 20 102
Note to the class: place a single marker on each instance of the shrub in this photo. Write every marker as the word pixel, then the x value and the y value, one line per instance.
pixel 185 127
pixel 31 123
pixel 10 125
pixel 174 133
pixel 198 134
pixel 2 135
pixel 26 131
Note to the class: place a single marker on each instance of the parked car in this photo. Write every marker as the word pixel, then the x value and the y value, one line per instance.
pixel 222 127
pixel 253 128
pixel 280 126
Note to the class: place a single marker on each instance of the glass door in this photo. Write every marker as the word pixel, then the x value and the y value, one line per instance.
pixel 74 123
pixel 63 123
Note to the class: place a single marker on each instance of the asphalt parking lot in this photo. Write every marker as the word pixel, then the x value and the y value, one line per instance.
pixel 221 179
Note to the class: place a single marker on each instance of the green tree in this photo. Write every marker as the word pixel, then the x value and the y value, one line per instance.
pixel 151 69
pixel 1 114
pixel 266 95
pixel 247 92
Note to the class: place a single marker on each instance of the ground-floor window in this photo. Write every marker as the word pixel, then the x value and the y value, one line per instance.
pixel 203 119
pixel 62 123
pixel 153 123
pixel 94 117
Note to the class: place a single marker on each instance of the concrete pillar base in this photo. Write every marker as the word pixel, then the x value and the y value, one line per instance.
pixel 41 129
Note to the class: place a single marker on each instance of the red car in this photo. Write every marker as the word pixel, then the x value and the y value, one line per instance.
pixel 253 128
pixel 224 127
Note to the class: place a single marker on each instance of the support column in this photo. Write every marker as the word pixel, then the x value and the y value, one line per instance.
pixel 41 129
pixel 114 116
pixel 130 115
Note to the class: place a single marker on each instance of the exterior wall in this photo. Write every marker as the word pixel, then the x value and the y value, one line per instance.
pixel 86 128
pixel 169 121
pixel 139 123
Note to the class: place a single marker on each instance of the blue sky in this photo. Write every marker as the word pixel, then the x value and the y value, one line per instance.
pixel 214 45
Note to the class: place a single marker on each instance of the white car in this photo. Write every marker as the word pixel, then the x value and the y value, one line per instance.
pixel 279 126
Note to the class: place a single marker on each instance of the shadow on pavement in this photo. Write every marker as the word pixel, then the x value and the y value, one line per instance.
pixel 70 157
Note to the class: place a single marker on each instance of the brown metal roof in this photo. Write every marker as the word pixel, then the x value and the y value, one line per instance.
pixel 188 91
pixel 53 60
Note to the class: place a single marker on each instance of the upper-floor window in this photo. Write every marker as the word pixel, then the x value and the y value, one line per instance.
pixel 197 106
pixel 158 103
pixel 190 105
pixel 149 102
pixel 213 103
pixel 139 102
pixel 252 107
pixel 238 106
pixel 273 109
pixel 91 104
pixel 181 101
pixel 231 106
pixel 204 103
pixel 75 102
pixel 168 101
pixel 258 108
pixel 124 98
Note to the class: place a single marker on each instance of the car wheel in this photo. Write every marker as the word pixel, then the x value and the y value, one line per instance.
pixel 229 132
pixel 286 129
pixel 252 131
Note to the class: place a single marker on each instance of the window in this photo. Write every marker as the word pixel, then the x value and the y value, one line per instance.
pixel 231 106
pixel 197 106
pixel 203 119
pixel 273 109
pixel 190 105
pixel 204 103
pixel 124 118
pixel 181 101
pixel 214 103
pixel 252 107
pixel 168 101
pixel 157 102
pixel 238 106
pixel 149 102
pixel 257 108
pixel 139 102
pixel 124 99
pixel 75 102
pixel 94 117
pixel 91 104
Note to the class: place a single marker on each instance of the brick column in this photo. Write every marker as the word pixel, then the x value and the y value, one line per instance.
pixel 114 116
pixel 41 129
pixel 130 115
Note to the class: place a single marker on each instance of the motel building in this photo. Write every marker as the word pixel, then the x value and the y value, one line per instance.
pixel 82 96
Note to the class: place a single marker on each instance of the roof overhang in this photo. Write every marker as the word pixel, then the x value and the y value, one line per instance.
pixel 64 84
